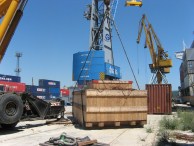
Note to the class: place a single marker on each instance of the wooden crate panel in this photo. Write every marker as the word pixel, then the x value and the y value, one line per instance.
pixel 114 117
pixel 99 107
pixel 110 85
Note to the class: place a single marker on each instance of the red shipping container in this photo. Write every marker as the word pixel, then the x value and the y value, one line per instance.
pixel 13 86
pixel 64 92
pixel 159 98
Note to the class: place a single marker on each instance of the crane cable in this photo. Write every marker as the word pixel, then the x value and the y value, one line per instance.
pixel 125 53
pixel 138 59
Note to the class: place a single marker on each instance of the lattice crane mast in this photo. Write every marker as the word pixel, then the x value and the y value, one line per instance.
pixel 160 62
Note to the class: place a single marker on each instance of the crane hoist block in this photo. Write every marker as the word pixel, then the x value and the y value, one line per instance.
pixel 133 3
pixel 165 63
pixel 154 69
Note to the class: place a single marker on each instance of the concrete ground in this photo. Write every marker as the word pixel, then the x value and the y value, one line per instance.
pixel 32 133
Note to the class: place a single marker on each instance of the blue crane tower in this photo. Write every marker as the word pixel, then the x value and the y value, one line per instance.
pixel 98 62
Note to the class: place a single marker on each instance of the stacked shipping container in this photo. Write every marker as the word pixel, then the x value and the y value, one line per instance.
pixel 12 87
pixel 10 83
pixel 38 91
pixel 47 89
pixel 9 78
pixel 187 73
pixel 64 92
pixel 52 86
pixel 95 67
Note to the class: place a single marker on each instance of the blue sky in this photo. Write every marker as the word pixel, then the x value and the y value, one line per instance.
pixel 50 32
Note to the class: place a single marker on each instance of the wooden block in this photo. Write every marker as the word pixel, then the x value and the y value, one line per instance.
pixel 117 124
pixel 89 124
pixel 143 123
pixel 133 123
pixel 101 124
pixel 85 143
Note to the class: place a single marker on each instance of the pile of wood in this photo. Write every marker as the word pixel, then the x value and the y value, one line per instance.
pixel 110 103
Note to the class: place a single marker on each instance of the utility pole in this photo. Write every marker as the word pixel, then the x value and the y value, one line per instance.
pixel 18 69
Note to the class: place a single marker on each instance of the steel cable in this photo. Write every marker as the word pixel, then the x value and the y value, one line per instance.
pixel 125 53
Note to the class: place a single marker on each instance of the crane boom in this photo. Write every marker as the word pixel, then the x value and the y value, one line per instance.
pixel 160 62
pixel 10 13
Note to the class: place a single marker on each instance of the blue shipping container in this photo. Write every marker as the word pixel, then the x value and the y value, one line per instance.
pixel 9 78
pixel 41 95
pixel 53 96
pixel 54 90
pixel 49 83
pixel 36 89
pixel 93 67
pixel 113 71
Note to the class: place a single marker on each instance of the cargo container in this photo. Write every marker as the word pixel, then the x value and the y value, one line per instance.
pixel 94 65
pixel 9 78
pixel 43 96
pixel 187 83
pixel 13 86
pixel 64 92
pixel 94 68
pixel 36 89
pixel 190 66
pixel 113 71
pixel 159 98
pixel 49 83
pixel 181 69
pixel 54 90
pixel 188 80
pixel 53 95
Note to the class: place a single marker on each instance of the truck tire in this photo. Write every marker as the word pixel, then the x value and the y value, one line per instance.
pixel 11 108
pixel 9 126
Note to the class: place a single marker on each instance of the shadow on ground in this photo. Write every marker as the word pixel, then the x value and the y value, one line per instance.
pixel 18 129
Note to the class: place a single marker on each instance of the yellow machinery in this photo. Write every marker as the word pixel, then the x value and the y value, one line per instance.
pixel 133 3
pixel 10 13
pixel 160 62
pixel 127 3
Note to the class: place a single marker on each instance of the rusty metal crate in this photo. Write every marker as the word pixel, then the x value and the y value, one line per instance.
pixel 159 98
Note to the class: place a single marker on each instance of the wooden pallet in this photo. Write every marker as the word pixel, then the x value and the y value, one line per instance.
pixel 115 124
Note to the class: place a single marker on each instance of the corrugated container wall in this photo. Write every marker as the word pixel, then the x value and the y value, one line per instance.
pixel 181 73
pixel 54 90
pixel 49 83
pixel 9 78
pixel 13 86
pixel 36 89
pixel 93 66
pixel 43 96
pixel 64 92
pixel 53 95
pixel 159 98
pixel 189 80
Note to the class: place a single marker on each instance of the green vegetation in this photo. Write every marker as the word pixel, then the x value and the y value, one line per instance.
pixel 183 121
pixel 186 121
pixel 149 130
